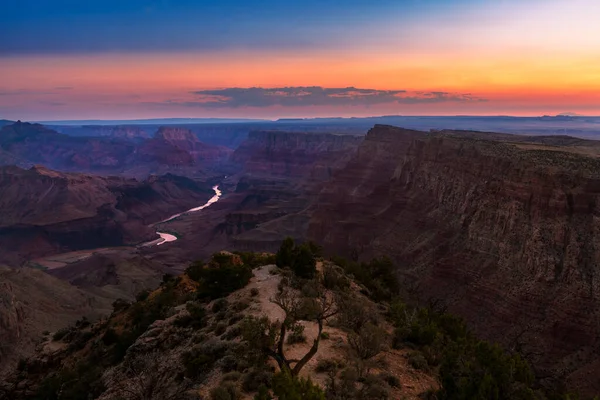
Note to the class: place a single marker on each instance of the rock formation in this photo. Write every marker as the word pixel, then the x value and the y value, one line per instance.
pixel 294 154
pixel 504 231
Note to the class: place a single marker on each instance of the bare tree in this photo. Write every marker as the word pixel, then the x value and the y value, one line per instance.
pixel 270 336
pixel 146 378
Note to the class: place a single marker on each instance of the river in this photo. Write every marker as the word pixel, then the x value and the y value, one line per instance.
pixel 167 237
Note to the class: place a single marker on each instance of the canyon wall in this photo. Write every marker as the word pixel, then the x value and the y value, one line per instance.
pixel 294 154
pixel 504 232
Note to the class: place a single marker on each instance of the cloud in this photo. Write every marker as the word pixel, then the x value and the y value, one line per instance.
pixel 314 96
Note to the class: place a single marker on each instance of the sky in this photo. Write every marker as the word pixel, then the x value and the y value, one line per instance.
pixel 115 59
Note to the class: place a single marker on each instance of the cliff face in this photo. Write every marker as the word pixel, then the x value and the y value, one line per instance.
pixel 506 233
pixel 43 211
pixel 185 140
pixel 294 154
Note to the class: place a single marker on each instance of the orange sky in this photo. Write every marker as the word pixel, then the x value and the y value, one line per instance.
pixel 533 59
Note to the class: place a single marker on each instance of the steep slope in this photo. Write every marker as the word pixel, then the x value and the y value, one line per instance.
pixel 504 232
pixel 43 211
pixel 184 139
pixel 31 302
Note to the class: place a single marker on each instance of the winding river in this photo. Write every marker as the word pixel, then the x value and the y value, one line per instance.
pixel 167 237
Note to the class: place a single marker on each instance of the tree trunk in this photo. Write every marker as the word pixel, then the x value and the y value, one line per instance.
pixel 311 352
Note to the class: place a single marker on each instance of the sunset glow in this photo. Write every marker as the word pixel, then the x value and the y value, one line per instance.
pixel 500 57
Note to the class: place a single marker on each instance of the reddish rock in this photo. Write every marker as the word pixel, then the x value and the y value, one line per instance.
pixel 43 211
pixel 294 154
pixel 505 233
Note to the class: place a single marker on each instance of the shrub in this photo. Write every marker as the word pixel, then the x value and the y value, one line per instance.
pixel 296 335
pixel 61 334
pixel 194 271
pixel 328 365
pixel 333 279
pixel 235 319
pixel 120 304
pixel 369 341
pixel 285 254
pixel 143 295
pixel 417 361
pixel 220 305
pixel 227 391
pixel 391 380
pixel 255 260
pixel 232 376
pixel 256 378
pixel 324 335
pixel 201 359
pixel 240 306
pixel 254 292
pixel 287 387
pixel 233 332
pixel 304 263
pixel 220 329
pixel 219 280
pixel 195 319
pixel 374 388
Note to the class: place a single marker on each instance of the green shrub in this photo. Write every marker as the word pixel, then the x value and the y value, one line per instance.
pixel 304 263
pixel 287 387
pixel 221 277
pixel 254 292
pixel 285 254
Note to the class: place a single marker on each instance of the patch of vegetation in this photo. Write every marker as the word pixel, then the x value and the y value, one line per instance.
pixel 255 260
pixel 378 276
pixel 220 277
pixel 468 368
pixel 300 259
pixel 296 335
pixel 227 391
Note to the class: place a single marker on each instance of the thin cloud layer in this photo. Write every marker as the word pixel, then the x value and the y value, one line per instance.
pixel 315 96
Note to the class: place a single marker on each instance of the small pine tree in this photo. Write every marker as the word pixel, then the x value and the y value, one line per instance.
pixel 304 263
pixel 285 254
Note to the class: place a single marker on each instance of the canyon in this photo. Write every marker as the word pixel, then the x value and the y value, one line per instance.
pixel 502 229
pixel 45 212
pixel 497 228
